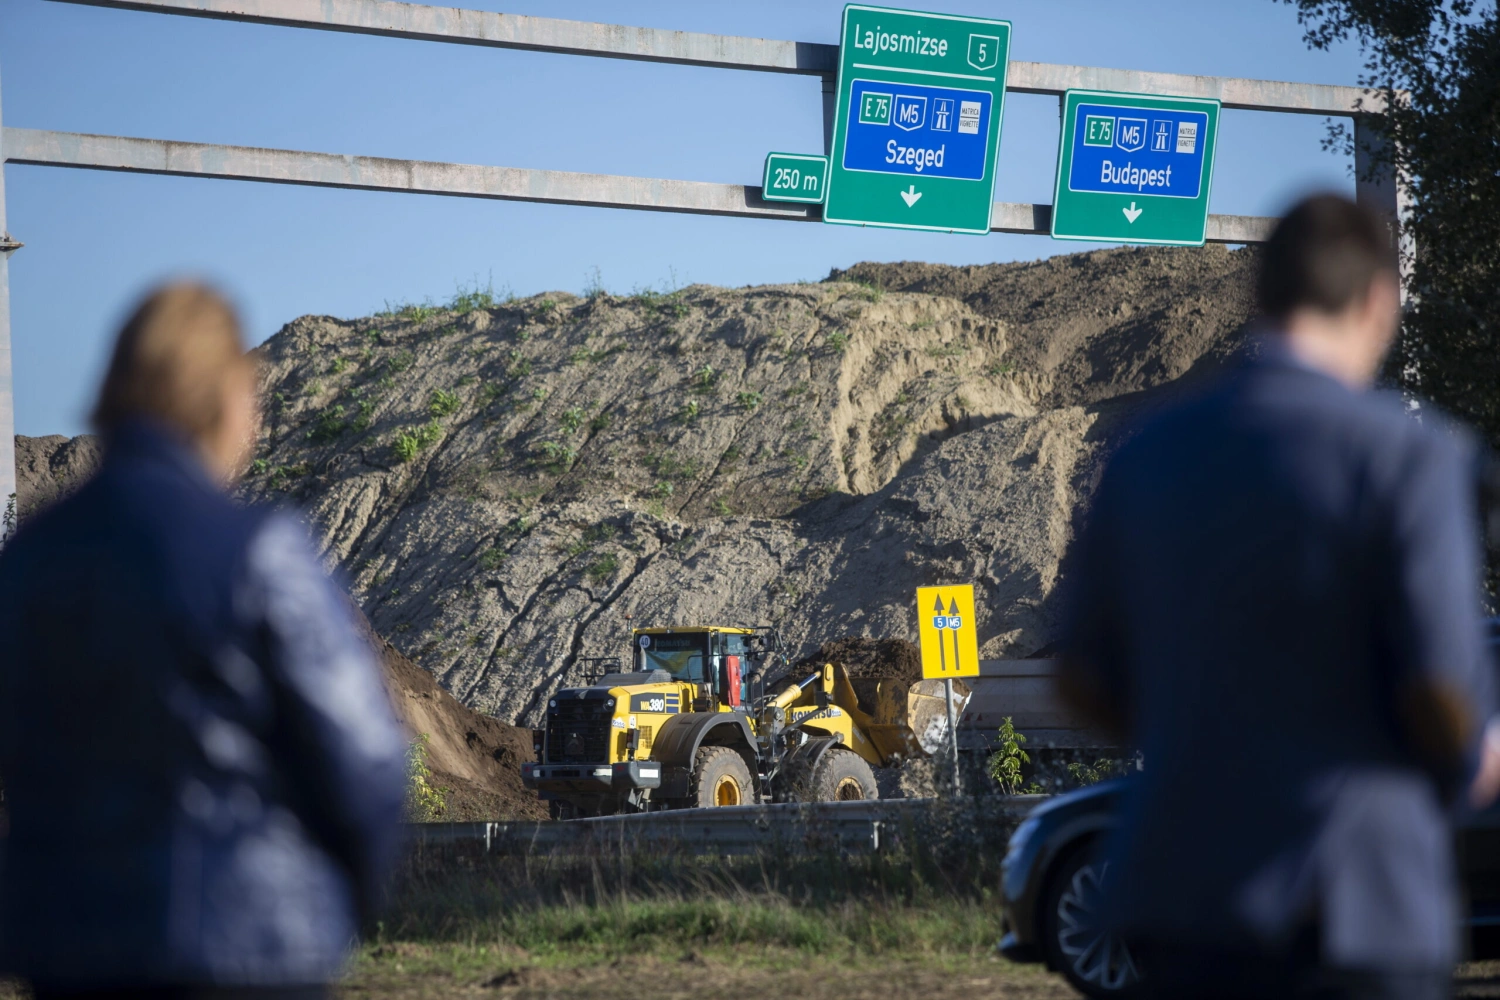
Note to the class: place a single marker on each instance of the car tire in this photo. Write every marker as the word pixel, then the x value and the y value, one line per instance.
pixel 720 778
pixel 842 776
pixel 1094 961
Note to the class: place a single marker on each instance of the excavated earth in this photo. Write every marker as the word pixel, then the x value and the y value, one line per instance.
pixel 507 490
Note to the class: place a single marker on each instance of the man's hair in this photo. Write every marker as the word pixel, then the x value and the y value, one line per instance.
pixel 1324 255
pixel 171 360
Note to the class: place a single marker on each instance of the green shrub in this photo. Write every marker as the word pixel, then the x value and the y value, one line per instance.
pixel 599 423
pixel 425 802
pixel 329 425
pixel 556 456
pixel 688 412
pixel 571 419
pixel 467 300
pixel 409 442
pixel 1004 765
pixel 704 379
pixel 838 341
pixel 491 558
pixel 442 403
pixel 400 362
pixel 603 568
pixel 748 400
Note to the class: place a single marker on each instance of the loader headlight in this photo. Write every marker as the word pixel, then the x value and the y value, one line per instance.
pixel 609 703
pixel 552 703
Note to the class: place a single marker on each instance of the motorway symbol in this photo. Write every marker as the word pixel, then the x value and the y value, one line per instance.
pixel 920 96
pixel 1122 154
pixel 794 177
pixel 949 640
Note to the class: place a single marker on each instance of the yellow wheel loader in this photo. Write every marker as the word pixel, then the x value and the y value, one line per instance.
pixel 714 716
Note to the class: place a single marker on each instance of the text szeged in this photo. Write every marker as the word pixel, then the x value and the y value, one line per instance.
pixel 915 155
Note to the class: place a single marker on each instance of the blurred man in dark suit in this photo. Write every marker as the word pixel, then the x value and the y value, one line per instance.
pixel 1277 599
pixel 203 773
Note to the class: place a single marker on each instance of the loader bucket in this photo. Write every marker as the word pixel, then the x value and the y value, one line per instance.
pixel 912 720
pixel 927 712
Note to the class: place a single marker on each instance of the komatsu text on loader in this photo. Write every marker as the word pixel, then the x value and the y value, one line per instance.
pixel 714 716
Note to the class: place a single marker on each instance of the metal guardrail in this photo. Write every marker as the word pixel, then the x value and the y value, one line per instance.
pixel 844 827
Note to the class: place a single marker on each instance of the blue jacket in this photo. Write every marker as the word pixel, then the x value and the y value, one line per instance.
pixel 1265 570
pixel 203 773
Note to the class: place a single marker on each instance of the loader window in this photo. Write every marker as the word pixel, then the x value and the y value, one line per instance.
pixel 682 656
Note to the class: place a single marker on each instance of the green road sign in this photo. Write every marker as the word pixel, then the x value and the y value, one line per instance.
pixel 1134 169
pixel 917 125
pixel 795 177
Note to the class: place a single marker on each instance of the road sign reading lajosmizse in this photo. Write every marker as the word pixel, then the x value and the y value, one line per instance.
pixel 917 125
pixel 795 177
pixel 1135 169
pixel 946 627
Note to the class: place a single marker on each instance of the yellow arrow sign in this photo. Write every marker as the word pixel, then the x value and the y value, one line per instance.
pixel 945 623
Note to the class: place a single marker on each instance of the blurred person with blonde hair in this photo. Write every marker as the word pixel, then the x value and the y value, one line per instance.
pixel 203 774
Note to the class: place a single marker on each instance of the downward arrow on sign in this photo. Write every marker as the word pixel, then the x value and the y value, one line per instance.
pixel 911 194
pixel 1132 213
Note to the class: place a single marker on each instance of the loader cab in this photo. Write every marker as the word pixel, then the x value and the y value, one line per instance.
pixel 720 662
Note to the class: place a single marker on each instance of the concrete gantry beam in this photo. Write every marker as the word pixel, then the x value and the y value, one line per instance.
pixel 689 48
pixel 559 187
pixel 374 173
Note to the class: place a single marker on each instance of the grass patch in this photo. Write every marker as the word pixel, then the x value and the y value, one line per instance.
pixel 931 894
pixel 603 568
pixel 442 402
pixel 474 297
pixel 409 442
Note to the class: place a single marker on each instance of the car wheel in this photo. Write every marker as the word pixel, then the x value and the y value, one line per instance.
pixel 1095 961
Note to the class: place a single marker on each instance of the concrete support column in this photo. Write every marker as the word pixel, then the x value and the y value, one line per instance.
pixel 1378 188
pixel 830 97
pixel 7 390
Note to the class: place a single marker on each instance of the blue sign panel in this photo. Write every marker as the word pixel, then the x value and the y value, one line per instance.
pixel 1138 151
pixel 905 128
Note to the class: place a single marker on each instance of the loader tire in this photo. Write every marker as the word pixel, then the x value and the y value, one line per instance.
pixel 720 778
pixel 842 776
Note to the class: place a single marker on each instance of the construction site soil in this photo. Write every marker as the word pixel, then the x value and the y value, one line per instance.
pixel 506 490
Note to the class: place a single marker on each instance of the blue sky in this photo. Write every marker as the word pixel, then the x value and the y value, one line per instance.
pixel 95 240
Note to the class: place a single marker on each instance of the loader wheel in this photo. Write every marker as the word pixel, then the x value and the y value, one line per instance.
pixel 720 778
pixel 843 776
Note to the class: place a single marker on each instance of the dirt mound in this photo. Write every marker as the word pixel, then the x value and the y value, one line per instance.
pixel 49 468
pixel 1098 325
pixel 476 759
pixel 509 489
pixel 870 659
